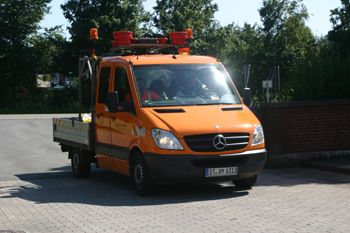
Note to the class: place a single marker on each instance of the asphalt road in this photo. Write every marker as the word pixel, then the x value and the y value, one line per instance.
pixel 39 194
pixel 28 150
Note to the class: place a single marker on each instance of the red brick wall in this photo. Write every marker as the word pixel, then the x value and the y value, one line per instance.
pixel 312 126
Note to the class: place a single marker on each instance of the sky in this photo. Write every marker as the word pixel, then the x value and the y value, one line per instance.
pixel 230 11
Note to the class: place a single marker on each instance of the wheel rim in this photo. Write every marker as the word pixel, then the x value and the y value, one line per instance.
pixel 138 174
pixel 76 161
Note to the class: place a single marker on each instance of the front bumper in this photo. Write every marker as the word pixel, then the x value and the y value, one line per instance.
pixel 191 168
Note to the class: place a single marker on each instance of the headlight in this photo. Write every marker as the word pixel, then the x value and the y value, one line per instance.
pixel 258 137
pixel 166 140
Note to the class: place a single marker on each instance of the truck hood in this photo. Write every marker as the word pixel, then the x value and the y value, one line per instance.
pixel 207 119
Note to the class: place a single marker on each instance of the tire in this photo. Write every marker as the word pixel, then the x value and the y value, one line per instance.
pixel 245 183
pixel 141 178
pixel 80 169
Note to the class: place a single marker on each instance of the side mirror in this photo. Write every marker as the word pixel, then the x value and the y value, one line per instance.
pixel 112 101
pixel 247 96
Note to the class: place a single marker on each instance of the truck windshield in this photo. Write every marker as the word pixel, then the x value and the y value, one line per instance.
pixel 184 84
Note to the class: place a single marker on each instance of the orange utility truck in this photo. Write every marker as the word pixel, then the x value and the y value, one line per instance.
pixel 163 119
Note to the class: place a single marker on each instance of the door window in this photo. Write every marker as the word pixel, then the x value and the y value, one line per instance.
pixel 121 85
pixel 104 83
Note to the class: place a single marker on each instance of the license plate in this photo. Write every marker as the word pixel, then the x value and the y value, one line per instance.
pixel 222 171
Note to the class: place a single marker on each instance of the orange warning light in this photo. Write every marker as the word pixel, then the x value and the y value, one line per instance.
pixel 93 34
pixel 178 38
pixel 189 32
pixel 123 37
pixel 184 51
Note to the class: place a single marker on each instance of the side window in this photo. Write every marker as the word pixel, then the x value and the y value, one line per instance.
pixel 104 83
pixel 121 85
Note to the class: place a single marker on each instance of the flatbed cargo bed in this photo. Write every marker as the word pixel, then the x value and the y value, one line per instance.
pixel 74 133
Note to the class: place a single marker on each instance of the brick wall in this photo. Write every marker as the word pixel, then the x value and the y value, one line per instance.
pixel 295 129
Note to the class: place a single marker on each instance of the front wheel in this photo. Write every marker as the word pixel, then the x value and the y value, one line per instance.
pixel 143 183
pixel 80 169
pixel 245 183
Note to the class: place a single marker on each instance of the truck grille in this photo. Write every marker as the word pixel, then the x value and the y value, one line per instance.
pixel 205 142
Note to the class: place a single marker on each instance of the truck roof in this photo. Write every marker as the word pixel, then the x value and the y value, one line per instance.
pixel 154 59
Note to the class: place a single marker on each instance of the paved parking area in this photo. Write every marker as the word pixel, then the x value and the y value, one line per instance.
pixel 284 200
pixel 39 194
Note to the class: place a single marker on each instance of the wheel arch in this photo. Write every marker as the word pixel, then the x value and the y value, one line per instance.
pixel 132 153
pixel 87 156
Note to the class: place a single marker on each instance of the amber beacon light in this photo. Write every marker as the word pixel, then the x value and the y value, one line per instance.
pixel 93 34
pixel 93 37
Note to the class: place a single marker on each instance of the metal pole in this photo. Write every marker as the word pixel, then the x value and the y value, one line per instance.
pixel 93 64
pixel 278 69
pixel 268 97
pixel 275 76
pixel 80 90
pixel 245 75
pixel 45 98
pixel 246 71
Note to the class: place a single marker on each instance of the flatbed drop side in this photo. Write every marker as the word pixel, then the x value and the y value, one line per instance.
pixel 163 119
pixel 75 134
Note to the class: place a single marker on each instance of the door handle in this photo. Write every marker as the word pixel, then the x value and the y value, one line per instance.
pixel 113 117
pixel 97 116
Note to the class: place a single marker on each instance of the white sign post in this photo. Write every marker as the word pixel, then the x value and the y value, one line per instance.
pixel 267 84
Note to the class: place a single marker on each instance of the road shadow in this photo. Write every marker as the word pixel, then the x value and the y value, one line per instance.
pixel 106 188
pixel 54 173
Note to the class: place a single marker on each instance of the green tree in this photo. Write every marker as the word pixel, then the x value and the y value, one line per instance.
pixel 19 19
pixel 340 18
pixel 40 51
pixel 284 28
pixel 322 75
pixel 177 15
pixel 212 41
pixel 235 46
pixel 247 48
pixel 43 48
pixel 107 17
pixel 286 37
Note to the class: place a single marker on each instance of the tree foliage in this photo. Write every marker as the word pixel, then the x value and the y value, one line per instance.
pixel 322 75
pixel 310 67
pixel 107 17
pixel 177 15
pixel 19 19
pixel 285 36
pixel 340 19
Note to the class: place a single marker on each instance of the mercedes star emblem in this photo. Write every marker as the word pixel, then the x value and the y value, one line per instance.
pixel 219 142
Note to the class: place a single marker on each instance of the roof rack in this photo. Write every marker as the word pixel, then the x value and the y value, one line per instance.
pixel 137 49
pixel 136 46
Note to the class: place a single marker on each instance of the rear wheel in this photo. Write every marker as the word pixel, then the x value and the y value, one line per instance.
pixel 143 183
pixel 245 183
pixel 80 169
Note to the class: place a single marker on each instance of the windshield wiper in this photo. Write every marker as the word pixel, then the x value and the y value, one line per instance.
pixel 215 104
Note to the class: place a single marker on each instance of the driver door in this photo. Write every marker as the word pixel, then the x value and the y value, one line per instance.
pixel 122 122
